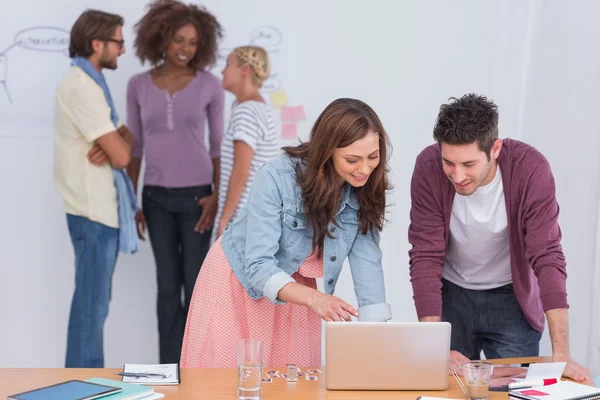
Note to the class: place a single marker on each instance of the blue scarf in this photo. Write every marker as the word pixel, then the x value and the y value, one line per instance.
pixel 128 239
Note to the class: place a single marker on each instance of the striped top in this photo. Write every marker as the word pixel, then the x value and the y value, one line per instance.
pixel 252 123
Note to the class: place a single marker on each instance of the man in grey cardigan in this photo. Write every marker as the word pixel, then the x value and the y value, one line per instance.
pixel 486 253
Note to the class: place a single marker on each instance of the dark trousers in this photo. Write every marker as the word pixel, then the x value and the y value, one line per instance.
pixel 179 252
pixel 489 320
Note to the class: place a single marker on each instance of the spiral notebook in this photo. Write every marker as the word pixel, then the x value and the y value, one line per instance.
pixel 170 374
pixel 563 390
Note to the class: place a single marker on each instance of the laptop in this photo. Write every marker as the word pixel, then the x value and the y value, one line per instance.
pixel 387 355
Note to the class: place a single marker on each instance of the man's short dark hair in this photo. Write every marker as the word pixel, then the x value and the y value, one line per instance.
pixel 472 118
pixel 91 25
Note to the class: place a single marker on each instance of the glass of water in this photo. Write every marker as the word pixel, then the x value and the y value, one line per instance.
pixel 250 363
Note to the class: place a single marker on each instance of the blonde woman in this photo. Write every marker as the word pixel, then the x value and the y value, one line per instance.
pixel 251 138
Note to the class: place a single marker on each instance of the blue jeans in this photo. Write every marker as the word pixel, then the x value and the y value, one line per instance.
pixel 489 320
pixel 96 247
pixel 179 251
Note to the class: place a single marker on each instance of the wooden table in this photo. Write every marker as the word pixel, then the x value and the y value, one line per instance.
pixel 217 384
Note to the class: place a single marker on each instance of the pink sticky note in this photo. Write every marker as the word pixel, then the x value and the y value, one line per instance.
pixel 289 131
pixel 292 114
pixel 300 114
pixel 533 392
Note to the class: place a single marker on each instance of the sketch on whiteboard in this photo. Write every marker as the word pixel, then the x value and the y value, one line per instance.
pixel 4 75
pixel 267 37
pixel 47 39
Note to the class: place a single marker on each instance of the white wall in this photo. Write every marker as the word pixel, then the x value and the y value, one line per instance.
pixel 560 118
pixel 403 58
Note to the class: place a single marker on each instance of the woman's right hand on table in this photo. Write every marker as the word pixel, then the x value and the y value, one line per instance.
pixel 331 308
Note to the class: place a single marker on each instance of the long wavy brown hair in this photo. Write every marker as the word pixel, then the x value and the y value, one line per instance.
pixel 342 123
pixel 164 17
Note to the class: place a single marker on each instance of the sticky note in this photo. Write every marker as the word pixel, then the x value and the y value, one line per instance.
pixel 279 98
pixel 533 392
pixel 289 131
pixel 292 114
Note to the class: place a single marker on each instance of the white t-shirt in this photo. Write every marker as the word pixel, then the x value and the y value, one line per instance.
pixel 252 123
pixel 81 116
pixel 478 254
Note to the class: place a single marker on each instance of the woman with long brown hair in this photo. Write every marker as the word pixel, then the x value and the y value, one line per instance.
pixel 309 209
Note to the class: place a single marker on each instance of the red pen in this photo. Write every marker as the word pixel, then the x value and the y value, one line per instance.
pixel 531 384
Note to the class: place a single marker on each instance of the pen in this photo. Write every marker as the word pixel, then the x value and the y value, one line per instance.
pixel 531 384
pixel 140 375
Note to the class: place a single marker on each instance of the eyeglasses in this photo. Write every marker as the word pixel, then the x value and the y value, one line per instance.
pixel 119 43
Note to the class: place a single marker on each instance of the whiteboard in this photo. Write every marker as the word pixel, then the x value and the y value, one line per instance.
pixel 403 58
pixel 36 57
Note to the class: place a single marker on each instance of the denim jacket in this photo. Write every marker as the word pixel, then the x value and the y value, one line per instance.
pixel 271 238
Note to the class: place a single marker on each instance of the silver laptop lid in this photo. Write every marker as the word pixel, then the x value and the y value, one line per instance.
pixel 387 355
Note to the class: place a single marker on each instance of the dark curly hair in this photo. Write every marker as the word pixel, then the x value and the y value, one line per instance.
pixel 164 17
pixel 472 118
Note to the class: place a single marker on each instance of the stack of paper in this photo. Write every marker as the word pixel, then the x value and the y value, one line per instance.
pixel 562 390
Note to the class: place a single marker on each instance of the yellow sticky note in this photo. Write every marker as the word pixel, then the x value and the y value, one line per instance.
pixel 278 98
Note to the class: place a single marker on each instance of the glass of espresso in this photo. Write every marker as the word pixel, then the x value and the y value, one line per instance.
pixel 477 376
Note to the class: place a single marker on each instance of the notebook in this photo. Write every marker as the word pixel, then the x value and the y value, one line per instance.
pixel 170 371
pixel 70 390
pixel 563 390
pixel 129 391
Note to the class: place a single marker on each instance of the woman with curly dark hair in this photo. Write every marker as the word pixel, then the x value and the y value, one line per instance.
pixel 167 111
